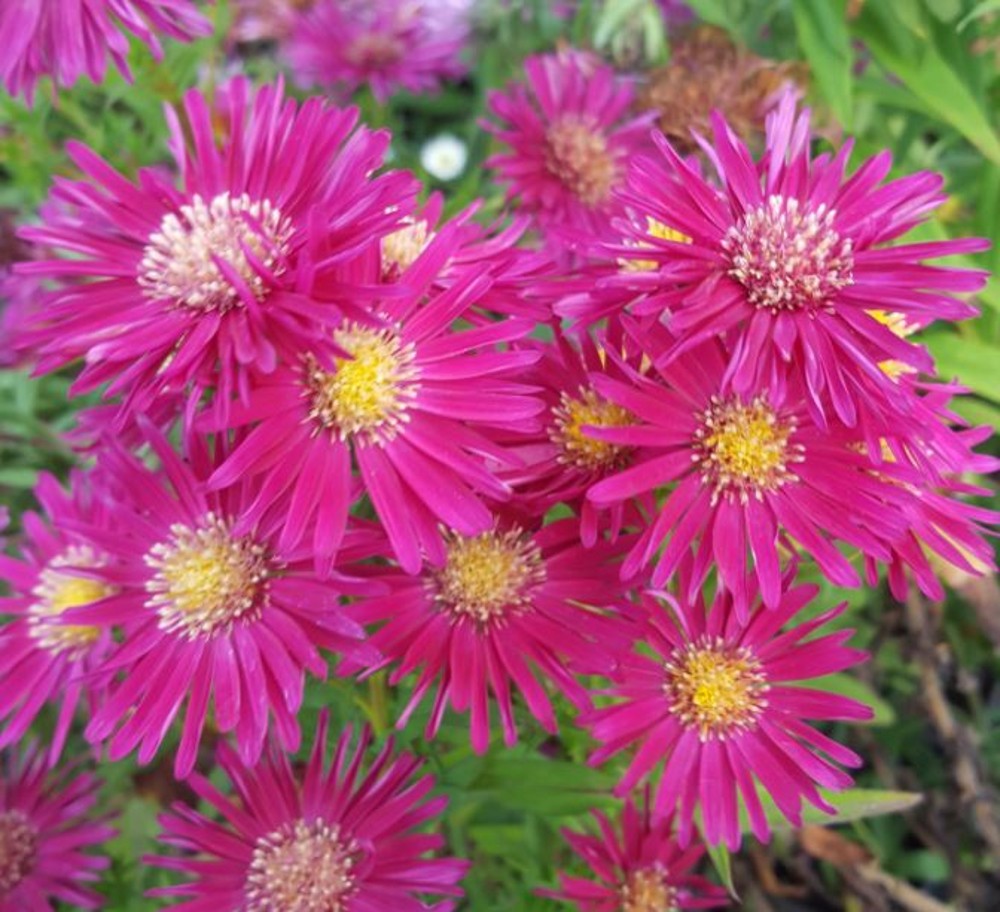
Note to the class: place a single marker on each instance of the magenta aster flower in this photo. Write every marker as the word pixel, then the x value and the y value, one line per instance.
pixel 562 460
pixel 711 697
pixel 788 258
pixel 413 407
pixel 69 38
pixel 44 834
pixel 209 614
pixel 568 138
pixel 636 866
pixel 42 659
pixel 383 44
pixel 196 287
pixel 508 606
pixel 338 839
pixel 750 475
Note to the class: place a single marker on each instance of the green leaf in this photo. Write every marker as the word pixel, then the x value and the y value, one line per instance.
pixel 723 864
pixel 974 363
pixel 822 31
pixel 848 686
pixel 851 804
pixel 926 73
pixel 613 18
pixel 977 12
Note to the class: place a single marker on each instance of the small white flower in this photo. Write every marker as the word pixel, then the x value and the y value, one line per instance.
pixel 444 156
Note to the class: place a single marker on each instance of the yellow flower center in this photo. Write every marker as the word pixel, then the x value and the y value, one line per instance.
pixel 655 229
pixel 893 368
pixel 18 850
pixel 367 395
pixel 579 448
pixel 401 248
pixel 488 575
pixel 745 449
pixel 715 688
pixel 60 589
pixel 303 868
pixel 181 260
pixel 206 578
pixel 577 153
pixel 647 890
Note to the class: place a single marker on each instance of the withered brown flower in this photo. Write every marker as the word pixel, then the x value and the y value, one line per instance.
pixel 708 72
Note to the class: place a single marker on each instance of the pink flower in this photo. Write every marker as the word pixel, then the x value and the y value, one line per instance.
pixel 788 259
pixel 44 834
pixel 561 460
pixel 200 286
pixel 709 697
pixel 70 38
pixel 568 136
pixel 508 606
pixel 42 659
pixel 209 614
pixel 383 44
pixel 335 838
pixel 413 407
pixel 636 866
pixel 751 474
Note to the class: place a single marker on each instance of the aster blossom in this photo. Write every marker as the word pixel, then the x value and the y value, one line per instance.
pixel 383 44
pixel 566 136
pixel 210 617
pixel 45 834
pixel 636 865
pixel 786 257
pixel 509 607
pixel 42 659
pixel 345 838
pixel 405 396
pixel 69 38
pixel 561 460
pixel 194 288
pixel 715 700
pixel 750 476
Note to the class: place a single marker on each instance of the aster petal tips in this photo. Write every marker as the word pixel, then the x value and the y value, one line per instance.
pixel 717 700
pixel 351 835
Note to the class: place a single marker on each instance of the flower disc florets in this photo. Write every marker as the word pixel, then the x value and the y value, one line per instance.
pixel 60 589
pixel 745 450
pixel 587 408
pixel 205 255
pixel 206 578
pixel 577 153
pixel 648 890
pixel 305 867
pixel 789 258
pixel 366 396
pixel 18 849
pixel 715 688
pixel 488 575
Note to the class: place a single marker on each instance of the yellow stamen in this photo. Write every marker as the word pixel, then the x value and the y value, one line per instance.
pixel 58 590
pixel 654 229
pixel 745 450
pixel 578 448
pixel 715 688
pixel 488 575
pixel 206 578
pixel 367 395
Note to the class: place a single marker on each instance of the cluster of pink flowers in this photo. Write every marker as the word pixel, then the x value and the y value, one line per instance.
pixel 338 427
